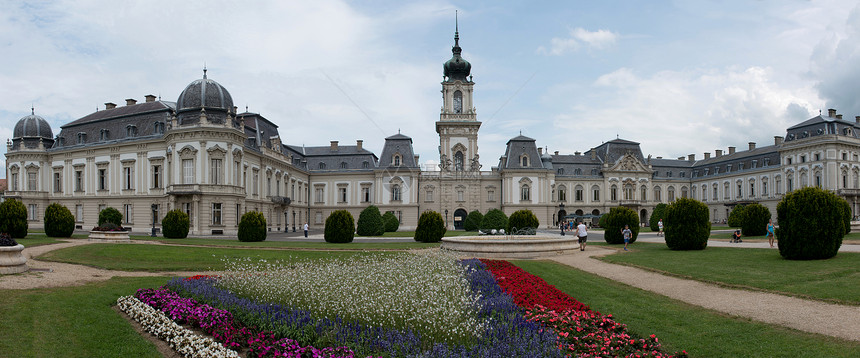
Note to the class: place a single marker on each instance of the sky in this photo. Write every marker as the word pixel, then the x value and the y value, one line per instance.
pixel 679 77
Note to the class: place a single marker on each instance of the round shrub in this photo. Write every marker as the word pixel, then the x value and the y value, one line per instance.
pixel 736 216
pixel 59 221
pixel 754 220
pixel 522 219
pixel 494 219
pixel 613 222
pixel 13 218
pixel 339 227
pixel 430 228
pixel 659 213
pixel 370 222
pixel 175 224
pixel 110 215
pixel 473 221
pixel 812 222
pixel 686 225
pixel 252 227
pixel 390 221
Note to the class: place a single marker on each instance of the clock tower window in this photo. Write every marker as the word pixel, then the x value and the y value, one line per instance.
pixel 458 161
pixel 458 101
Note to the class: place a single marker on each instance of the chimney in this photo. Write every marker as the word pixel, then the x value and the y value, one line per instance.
pixel 752 145
pixel 540 151
pixel 777 140
pixel 719 153
pixel 838 116
pixel 680 158
pixel 556 152
pixel 130 101
pixel 416 159
pixel 334 146
pixel 149 98
pixel 110 105
pixel 707 155
pixel 576 153
pixel 358 144
pixel 662 157
pixel 831 112
pixel 857 119
pixel 731 150
pixel 691 157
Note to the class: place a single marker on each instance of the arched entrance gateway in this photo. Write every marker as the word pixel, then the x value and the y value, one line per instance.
pixel 561 214
pixel 643 216
pixel 459 218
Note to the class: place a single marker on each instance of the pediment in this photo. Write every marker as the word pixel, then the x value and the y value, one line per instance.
pixel 629 163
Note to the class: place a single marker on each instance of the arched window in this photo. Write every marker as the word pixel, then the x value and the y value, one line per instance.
pixel 578 195
pixel 804 180
pixel 396 160
pixel 613 193
pixel 657 196
pixel 322 165
pixel 643 193
pixel 395 192
pixel 684 192
pixel 343 165
pixel 560 171
pixel 671 195
pixel 458 161
pixel 726 192
pixel 525 161
pixel 562 193
pixel 365 164
pixel 458 102
pixel 577 171
pixel 628 192
pixel 595 193
pixel 525 194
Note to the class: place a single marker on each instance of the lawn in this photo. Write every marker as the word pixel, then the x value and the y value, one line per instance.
pixel 448 233
pixel 836 279
pixel 679 326
pixel 36 240
pixel 133 257
pixel 321 245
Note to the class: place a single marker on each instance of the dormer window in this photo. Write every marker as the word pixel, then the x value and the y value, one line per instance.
pixel 560 171
pixel 396 160
pixel 105 135
pixel 458 102
pixel 131 131
pixel 365 164
pixel 525 161
pixel 82 138
pixel 343 165
pixel 322 165
pixel 159 127
pixel 577 171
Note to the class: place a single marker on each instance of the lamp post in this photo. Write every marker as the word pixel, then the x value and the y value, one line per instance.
pixel 446 219
pixel 154 217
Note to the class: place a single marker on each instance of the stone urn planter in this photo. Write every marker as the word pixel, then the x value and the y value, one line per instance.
pixel 109 235
pixel 12 260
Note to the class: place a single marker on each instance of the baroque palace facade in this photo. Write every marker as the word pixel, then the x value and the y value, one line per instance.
pixel 200 155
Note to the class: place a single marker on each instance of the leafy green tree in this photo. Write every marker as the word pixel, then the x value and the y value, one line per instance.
pixel 613 222
pixel 110 215
pixel 473 221
pixel 431 227
pixel 390 221
pixel 13 218
pixel 812 222
pixel 686 225
pixel 339 227
pixel 754 219
pixel 370 222
pixel 659 213
pixel 494 219
pixel 252 227
pixel 522 219
pixel 175 224
pixel 736 217
pixel 59 221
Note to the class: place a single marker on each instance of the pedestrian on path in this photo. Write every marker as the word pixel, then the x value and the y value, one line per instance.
pixel 736 237
pixel 306 229
pixel 627 235
pixel 660 226
pixel 582 233
pixel 770 233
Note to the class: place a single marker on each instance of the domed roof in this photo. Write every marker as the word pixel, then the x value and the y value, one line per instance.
pixel 457 68
pixel 32 126
pixel 204 93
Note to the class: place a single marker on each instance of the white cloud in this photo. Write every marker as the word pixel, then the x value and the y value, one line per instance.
pixel 580 37
pixel 834 65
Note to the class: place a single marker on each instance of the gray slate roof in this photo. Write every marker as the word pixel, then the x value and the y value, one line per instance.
pixel 398 143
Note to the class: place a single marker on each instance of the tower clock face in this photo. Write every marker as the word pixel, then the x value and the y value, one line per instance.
pixel 458 104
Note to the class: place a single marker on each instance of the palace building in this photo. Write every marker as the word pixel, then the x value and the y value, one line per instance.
pixel 200 155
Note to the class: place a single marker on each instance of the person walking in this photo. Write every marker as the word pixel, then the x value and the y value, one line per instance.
pixel 306 229
pixel 660 226
pixel 627 236
pixel 582 233
pixel 770 232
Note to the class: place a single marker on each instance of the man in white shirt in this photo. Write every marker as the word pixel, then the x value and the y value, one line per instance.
pixel 306 229
pixel 582 233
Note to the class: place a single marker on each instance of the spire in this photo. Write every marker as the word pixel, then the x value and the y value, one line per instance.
pixel 32 109
pixel 456 30
pixel 204 70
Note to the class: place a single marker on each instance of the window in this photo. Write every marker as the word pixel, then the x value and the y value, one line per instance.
pixel 343 165
pixel 256 182
pixel 458 161
pixel 187 208
pixel 684 192
pixel 131 131
pixel 491 195
pixel 188 171
pixel 319 195
pixel 102 207
pixel 789 184
pixel 778 184
pixel 643 193
pixel 396 160
pixel 669 174
pixel 237 171
pixel 788 160
pixel 32 212
pixel 215 172
pixel 365 164
pixel 561 194
pixel 525 161
pixel 578 196
pixel 395 192
pixel 126 213
pixel 818 179
pixel 365 194
pixel 319 217
pixel 102 179
pixel 79 180
pixel 764 188
pixel 817 156
pixel 341 193
pixel 460 195
pixel 613 193
pixel 657 195
pixel 428 195
pixel 15 181
pixel 105 135
pixel 58 182
pixel 740 166
pixel 277 187
pixel 844 156
pixel 740 192
pixel 715 194
pixel 128 178
pixel 595 194
pixel 671 194
pixel 156 176
pixel 82 138
pixel 525 195
pixel 803 159
pixel 628 192
pixel 269 186
pixel 752 189
pixel 458 102
pixel 239 214
pixel 31 181
pixel 726 191
pixel 216 214
pixel 684 174
pixel 79 213
pixel 322 165
pixel 560 171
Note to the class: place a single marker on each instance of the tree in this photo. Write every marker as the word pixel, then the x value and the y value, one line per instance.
pixel 754 219
pixel 494 219
pixel 252 227
pixel 473 221
pixel 812 223
pixel 736 216
pixel 59 221
pixel 686 225
pixel 659 213
pixel 13 218
pixel 390 222
pixel 431 227
pixel 175 224
pixel 522 219
pixel 339 227
pixel 370 222
pixel 613 222
pixel 110 215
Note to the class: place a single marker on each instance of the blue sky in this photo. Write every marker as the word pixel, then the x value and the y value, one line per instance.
pixel 679 77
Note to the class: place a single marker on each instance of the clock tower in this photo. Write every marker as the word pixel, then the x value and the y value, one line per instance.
pixel 458 124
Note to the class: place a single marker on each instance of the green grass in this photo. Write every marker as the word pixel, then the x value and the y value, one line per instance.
pixel 292 244
pixel 72 321
pixel 36 240
pixel 448 233
pixel 154 258
pixel 836 279
pixel 680 326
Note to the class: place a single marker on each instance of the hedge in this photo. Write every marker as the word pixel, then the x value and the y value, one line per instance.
pixel 494 219
pixel 339 227
pixel 252 227
pixel 390 222
pixel 175 224
pixel 431 227
pixel 110 215
pixel 659 213
pixel 686 225
pixel 59 221
pixel 754 220
pixel 613 222
pixel 370 222
pixel 812 223
pixel 473 221
pixel 522 219
pixel 13 218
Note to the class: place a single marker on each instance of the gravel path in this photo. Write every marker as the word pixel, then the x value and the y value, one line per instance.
pixel 810 316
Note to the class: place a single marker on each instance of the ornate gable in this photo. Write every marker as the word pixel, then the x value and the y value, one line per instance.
pixel 629 163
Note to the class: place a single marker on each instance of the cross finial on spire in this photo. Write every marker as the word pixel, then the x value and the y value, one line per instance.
pixel 32 109
pixel 398 130
pixel 204 70
pixel 521 132
pixel 456 30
